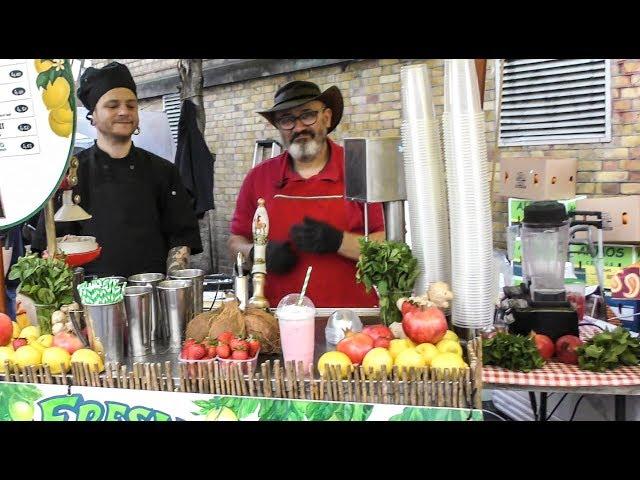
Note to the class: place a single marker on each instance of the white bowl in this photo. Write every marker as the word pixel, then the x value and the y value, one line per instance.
pixel 71 244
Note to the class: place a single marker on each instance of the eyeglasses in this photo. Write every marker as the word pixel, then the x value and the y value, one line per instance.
pixel 307 118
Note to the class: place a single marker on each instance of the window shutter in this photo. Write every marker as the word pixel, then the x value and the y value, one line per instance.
pixel 551 101
pixel 171 105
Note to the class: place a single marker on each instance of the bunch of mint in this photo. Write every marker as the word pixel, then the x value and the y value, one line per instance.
pixel 608 350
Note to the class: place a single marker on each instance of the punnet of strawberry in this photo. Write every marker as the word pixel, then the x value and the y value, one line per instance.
pixel 226 347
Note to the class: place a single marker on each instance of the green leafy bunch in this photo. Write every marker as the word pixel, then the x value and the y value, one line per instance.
pixel 48 281
pixel 513 352
pixel 608 350
pixel 392 269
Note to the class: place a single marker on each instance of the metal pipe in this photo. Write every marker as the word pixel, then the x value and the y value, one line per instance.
pixel 394 224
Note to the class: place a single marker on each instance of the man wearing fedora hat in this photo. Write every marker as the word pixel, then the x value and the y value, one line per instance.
pixel 310 220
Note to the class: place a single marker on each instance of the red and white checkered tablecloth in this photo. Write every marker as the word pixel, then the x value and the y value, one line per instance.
pixel 555 374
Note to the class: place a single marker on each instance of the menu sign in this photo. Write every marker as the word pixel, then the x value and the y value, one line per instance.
pixel 37 128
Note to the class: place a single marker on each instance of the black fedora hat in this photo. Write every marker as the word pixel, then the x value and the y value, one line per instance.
pixel 299 92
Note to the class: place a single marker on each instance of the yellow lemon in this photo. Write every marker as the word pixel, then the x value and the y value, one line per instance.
pixel 428 351
pixel 30 331
pixel 397 345
pixel 23 320
pixel 42 65
pixel 33 341
pixel 16 330
pixel 56 94
pixel 27 355
pixel 57 358
pixel 6 353
pixel 45 340
pixel 448 360
pixel 335 358
pixel 60 129
pixel 374 360
pixel 62 114
pixel 450 336
pixel 221 414
pixel 84 355
pixel 409 358
pixel 449 346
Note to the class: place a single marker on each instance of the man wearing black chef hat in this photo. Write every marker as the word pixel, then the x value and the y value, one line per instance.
pixel 141 213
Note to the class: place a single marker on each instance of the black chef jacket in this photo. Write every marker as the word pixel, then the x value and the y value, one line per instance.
pixel 140 210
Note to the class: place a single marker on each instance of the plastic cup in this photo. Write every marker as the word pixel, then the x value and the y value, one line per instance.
pixel 297 329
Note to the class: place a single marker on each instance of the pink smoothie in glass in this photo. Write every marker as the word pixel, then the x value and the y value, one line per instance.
pixel 297 332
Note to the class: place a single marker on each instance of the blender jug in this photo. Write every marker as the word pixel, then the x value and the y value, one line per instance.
pixel 545 245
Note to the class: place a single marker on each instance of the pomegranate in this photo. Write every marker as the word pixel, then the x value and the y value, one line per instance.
pixel 378 331
pixel 355 346
pixel 566 349
pixel 544 344
pixel 425 326
pixel 68 341
pixel 382 342
pixel 6 329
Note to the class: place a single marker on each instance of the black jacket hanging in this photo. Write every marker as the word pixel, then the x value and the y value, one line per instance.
pixel 194 160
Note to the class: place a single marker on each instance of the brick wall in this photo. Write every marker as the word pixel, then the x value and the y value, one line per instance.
pixel 373 107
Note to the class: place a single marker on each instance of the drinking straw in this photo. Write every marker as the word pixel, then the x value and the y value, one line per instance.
pixel 101 291
pixel 304 285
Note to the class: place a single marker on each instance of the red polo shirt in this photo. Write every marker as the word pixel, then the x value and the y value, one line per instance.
pixel 289 197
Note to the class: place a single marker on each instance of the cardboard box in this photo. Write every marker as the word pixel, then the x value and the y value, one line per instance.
pixel 538 178
pixel 515 207
pixel 624 212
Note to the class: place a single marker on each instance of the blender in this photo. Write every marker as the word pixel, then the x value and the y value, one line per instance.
pixel 540 302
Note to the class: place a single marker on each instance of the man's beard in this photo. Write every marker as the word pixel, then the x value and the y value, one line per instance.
pixel 306 150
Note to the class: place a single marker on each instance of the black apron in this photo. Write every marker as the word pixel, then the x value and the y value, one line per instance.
pixel 125 216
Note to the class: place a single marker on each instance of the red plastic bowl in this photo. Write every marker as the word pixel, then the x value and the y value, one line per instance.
pixel 78 259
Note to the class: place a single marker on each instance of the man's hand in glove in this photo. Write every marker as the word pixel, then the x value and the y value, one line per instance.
pixel 317 237
pixel 280 257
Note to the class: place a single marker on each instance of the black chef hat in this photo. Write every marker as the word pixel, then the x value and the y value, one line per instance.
pixel 95 82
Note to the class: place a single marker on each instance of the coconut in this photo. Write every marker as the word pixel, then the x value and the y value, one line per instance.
pixel 198 327
pixel 264 327
pixel 229 319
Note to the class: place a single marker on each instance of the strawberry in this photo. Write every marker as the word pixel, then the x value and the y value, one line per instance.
pixel 239 344
pixel 240 355
pixel 223 350
pixel 195 352
pixel 188 341
pixel 225 337
pixel 211 352
pixel 254 346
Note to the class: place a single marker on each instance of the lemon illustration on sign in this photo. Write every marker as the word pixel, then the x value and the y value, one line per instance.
pixel 45 340
pixel 6 353
pixel 450 336
pixel 30 331
pixel 374 360
pixel 428 351
pixel 448 360
pixel 338 359
pixel 397 345
pixel 20 411
pixel 221 414
pixel 56 357
pixel 56 94
pixel 60 129
pixel 42 65
pixel 449 346
pixel 27 355
pixel 84 355
pixel 63 114
pixel 16 330
pixel 410 358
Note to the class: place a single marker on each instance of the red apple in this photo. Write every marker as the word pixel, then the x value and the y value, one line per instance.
pixel 355 346
pixel 425 326
pixel 67 341
pixel 19 342
pixel 544 344
pixel 566 349
pixel 378 331
pixel 6 329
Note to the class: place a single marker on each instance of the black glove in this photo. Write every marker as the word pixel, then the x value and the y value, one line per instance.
pixel 316 237
pixel 280 257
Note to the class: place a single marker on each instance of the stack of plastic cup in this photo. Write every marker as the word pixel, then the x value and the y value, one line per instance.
pixel 473 280
pixel 425 179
